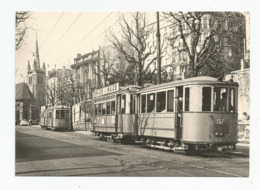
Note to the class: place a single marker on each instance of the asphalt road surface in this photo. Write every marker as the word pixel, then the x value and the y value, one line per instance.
pixel 49 153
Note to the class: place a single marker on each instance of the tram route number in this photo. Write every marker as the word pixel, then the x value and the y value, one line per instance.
pixel 220 121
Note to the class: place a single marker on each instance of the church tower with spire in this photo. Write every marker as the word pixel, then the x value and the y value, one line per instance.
pixel 36 81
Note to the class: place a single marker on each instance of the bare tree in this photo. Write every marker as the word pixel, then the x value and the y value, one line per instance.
pixel 133 44
pixel 20 27
pixel 203 38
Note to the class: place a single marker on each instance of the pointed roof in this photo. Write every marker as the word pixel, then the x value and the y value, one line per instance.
pixel 22 92
pixel 37 57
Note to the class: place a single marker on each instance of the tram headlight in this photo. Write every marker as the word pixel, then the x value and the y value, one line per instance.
pixel 221 134
pixel 216 134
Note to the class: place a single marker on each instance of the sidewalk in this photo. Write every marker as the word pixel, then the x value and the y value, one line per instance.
pixel 84 132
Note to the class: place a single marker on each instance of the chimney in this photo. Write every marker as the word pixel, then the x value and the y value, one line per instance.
pixel 78 54
pixel 64 67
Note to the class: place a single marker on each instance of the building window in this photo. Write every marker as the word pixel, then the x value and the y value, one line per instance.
pixel 205 23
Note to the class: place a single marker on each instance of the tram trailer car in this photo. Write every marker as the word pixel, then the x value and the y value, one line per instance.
pixel 197 112
pixel 115 114
pixel 55 118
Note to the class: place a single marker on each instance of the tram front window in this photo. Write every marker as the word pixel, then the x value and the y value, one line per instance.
pixel 232 100
pixel 57 114
pixel 62 114
pixel 220 99
pixel 161 98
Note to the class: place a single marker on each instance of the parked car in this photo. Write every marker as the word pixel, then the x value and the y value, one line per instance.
pixel 33 122
pixel 24 122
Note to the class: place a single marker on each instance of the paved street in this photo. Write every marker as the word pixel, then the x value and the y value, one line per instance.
pixel 48 153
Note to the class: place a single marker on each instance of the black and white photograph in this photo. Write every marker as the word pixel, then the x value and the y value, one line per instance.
pixel 132 94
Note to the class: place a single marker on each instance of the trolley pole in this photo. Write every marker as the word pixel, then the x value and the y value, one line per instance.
pixel 158 37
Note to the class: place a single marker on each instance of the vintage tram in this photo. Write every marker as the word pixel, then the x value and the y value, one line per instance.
pixel 55 118
pixel 192 113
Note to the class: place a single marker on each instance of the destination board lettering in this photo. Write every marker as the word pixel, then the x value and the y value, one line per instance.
pixel 106 90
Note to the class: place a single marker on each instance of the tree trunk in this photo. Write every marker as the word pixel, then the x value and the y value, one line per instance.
pixel 71 124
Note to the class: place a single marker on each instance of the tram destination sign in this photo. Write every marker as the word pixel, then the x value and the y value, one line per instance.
pixel 106 90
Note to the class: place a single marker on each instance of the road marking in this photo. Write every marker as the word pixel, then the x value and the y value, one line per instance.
pixel 216 171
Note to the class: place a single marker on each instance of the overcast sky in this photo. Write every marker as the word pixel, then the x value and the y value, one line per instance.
pixel 61 35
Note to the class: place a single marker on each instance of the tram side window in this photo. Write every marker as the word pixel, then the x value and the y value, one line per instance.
pixel 206 99
pixel 161 99
pixel 150 102
pixel 123 104
pixel 119 104
pixel 170 99
pixel 108 108
pixel 96 109
pixel 220 99
pixel 67 114
pixel 49 114
pixel 103 108
pixel 187 99
pixel 57 114
pixel 232 100
pixel 143 109
pixel 99 109
pixel 132 109
pixel 113 107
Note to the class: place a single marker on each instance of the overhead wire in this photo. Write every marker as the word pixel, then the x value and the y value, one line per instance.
pixel 79 42
pixel 63 34
pixel 51 30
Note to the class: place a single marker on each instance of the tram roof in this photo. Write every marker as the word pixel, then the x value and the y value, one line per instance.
pixel 58 107
pixel 201 80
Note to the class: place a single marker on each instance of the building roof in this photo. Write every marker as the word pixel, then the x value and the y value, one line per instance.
pixel 22 92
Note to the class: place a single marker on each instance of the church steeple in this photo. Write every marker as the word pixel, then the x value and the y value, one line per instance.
pixel 37 57
pixel 43 67
pixel 28 67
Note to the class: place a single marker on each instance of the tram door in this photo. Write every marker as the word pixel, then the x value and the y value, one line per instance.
pixel 118 112
pixel 178 112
